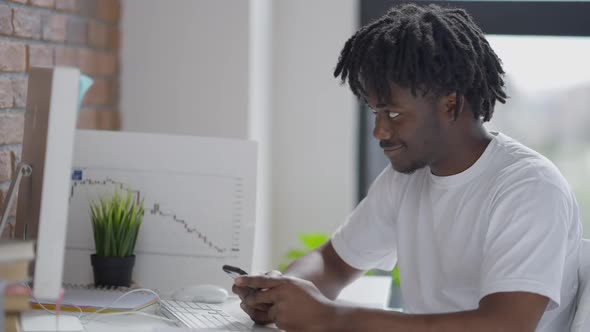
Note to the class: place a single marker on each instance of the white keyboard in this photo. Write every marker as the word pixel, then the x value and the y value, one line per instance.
pixel 201 315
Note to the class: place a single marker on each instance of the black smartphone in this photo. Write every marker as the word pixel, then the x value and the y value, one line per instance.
pixel 233 271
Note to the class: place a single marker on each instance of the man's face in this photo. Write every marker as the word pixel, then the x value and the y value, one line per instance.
pixel 408 128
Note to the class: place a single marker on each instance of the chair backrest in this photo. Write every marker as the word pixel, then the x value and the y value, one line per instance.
pixel 581 321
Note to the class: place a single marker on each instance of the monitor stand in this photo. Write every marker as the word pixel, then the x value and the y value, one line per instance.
pixel 41 321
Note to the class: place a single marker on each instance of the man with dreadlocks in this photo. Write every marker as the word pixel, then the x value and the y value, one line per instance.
pixel 485 231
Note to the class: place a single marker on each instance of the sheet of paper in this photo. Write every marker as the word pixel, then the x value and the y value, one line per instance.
pixel 199 199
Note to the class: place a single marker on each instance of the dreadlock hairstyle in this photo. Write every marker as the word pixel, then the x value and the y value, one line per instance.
pixel 431 49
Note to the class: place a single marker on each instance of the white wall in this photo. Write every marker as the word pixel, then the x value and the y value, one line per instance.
pixel 199 68
pixel 256 69
pixel 314 123
pixel 184 67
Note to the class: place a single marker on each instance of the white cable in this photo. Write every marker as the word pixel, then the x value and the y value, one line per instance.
pixel 90 316
pixel 53 312
pixel 110 306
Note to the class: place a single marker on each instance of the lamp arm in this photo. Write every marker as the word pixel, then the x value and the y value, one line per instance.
pixel 22 169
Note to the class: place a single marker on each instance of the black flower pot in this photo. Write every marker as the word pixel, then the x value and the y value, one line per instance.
pixel 112 271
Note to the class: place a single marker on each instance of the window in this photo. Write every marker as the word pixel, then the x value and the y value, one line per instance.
pixel 545 48
pixel 548 81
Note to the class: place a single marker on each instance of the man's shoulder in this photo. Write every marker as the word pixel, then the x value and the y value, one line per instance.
pixel 516 164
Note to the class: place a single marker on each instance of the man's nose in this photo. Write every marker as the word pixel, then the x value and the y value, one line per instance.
pixel 382 130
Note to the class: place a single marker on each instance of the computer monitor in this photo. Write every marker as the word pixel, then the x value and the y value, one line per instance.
pixel 42 211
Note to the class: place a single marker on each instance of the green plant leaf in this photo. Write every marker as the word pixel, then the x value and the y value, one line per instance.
pixel 295 253
pixel 395 275
pixel 115 223
pixel 313 240
pixel 310 242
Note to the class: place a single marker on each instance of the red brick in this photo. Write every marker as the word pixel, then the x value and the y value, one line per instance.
pixel 87 7
pixel 67 5
pixel 13 92
pixel 113 38
pixel 108 10
pixel 107 63
pixel 89 62
pixel 97 34
pixel 19 92
pixel 5 166
pixel 27 23
pixel 115 90
pixel 6 98
pixel 54 27
pixel 5 20
pixel 40 56
pixel 76 31
pixel 14 57
pixel 67 56
pixel 102 119
pixel 109 120
pixel 86 119
pixel 43 3
pixel 99 93
pixel 11 128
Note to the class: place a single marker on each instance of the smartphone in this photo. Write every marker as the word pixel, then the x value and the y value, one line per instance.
pixel 233 271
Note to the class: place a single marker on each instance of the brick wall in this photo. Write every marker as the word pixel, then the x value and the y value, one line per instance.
pixel 45 33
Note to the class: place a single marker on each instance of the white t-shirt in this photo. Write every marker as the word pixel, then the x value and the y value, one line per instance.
pixel 508 223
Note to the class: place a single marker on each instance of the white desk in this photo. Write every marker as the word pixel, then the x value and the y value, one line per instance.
pixel 368 291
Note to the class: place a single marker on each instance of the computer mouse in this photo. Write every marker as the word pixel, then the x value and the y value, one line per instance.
pixel 201 293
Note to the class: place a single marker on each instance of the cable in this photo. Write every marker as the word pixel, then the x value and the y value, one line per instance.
pixel 122 296
pixel 88 317
pixel 52 311
pixel 60 297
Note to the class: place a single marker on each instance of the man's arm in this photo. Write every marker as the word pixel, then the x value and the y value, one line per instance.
pixel 324 268
pixel 297 304
pixel 507 312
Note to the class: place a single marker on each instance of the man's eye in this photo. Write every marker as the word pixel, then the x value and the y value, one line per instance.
pixel 392 115
pixel 373 111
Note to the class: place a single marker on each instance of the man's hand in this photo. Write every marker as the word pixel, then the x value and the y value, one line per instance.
pixel 295 304
pixel 258 313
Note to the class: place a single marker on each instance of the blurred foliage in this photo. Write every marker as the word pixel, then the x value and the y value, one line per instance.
pixel 312 241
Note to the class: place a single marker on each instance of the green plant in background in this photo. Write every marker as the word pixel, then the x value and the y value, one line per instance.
pixel 115 224
pixel 312 241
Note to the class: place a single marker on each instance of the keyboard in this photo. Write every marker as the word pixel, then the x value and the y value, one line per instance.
pixel 200 315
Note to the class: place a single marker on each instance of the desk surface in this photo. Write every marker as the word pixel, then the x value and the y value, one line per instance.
pixel 136 323
pixel 367 291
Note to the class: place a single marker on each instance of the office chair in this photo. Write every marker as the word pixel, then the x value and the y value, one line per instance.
pixel 581 321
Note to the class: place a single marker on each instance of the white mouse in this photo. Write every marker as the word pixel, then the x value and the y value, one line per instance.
pixel 201 293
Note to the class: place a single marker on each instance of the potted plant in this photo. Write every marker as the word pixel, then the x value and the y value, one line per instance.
pixel 115 225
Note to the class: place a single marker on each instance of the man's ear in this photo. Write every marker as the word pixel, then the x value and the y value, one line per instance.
pixel 452 105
